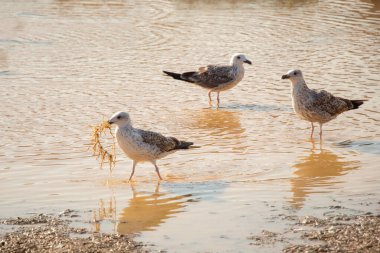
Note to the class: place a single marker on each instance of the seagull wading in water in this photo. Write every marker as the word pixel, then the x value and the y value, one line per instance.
pixel 315 106
pixel 216 78
pixel 143 146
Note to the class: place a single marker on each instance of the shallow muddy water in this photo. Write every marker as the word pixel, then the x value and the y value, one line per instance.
pixel 66 64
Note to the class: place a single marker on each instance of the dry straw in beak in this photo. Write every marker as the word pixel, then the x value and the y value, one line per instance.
pixel 97 147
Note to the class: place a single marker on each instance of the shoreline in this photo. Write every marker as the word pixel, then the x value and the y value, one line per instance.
pixel 48 233
pixel 333 233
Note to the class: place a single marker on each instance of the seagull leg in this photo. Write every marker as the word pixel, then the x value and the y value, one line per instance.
pixel 312 130
pixel 217 98
pixel 312 145
pixel 133 170
pixel 133 191
pixel 157 190
pixel 157 170
pixel 209 98
pixel 320 132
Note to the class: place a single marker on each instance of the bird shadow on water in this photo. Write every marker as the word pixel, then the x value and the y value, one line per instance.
pixel 371 147
pixel 317 171
pixel 6 73
pixel 256 107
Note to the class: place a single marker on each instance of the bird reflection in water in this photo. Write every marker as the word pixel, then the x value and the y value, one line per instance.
pixel 317 172
pixel 106 211
pixel 218 122
pixel 220 128
pixel 145 212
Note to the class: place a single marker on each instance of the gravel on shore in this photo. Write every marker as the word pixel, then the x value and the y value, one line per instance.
pixel 45 233
pixel 336 233
pixel 360 233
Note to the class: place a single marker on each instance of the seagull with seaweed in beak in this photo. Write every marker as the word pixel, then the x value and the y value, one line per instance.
pixel 141 145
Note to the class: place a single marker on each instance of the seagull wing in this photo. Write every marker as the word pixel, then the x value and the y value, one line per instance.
pixel 327 102
pixel 164 144
pixel 211 76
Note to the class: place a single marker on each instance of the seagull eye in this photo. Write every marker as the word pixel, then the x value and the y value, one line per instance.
pixel 238 57
pixel 118 117
pixel 295 73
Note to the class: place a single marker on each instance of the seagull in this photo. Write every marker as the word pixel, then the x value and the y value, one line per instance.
pixel 315 106
pixel 143 146
pixel 216 78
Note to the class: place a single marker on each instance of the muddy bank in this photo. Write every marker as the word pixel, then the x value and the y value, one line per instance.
pixel 45 233
pixel 337 233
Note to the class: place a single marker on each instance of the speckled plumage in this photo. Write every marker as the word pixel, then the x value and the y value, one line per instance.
pixel 215 78
pixel 315 106
pixel 143 146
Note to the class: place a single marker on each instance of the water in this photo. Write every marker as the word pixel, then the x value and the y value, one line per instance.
pixel 66 64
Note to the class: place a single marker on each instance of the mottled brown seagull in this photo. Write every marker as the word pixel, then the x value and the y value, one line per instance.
pixel 216 78
pixel 143 146
pixel 315 106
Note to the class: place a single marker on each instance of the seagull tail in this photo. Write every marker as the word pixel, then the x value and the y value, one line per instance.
pixel 183 77
pixel 174 75
pixel 357 103
pixel 185 145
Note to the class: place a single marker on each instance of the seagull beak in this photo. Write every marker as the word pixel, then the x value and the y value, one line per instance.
pixel 110 122
pixel 285 77
pixel 248 61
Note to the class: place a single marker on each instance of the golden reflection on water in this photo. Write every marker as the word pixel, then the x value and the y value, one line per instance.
pixel 148 211
pixel 106 211
pixel 219 128
pixel 376 4
pixel 318 169
pixel 144 212
pixel 225 124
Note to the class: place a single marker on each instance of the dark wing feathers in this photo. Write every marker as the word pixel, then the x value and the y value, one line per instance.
pixel 165 144
pixel 183 144
pixel 213 76
pixel 174 75
pixel 209 77
pixel 357 103
pixel 333 105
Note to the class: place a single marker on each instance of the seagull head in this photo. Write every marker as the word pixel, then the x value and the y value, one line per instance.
pixel 294 76
pixel 239 59
pixel 121 119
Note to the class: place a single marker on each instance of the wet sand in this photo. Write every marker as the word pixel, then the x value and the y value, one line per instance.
pixel 46 233
pixel 338 234
pixel 332 233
